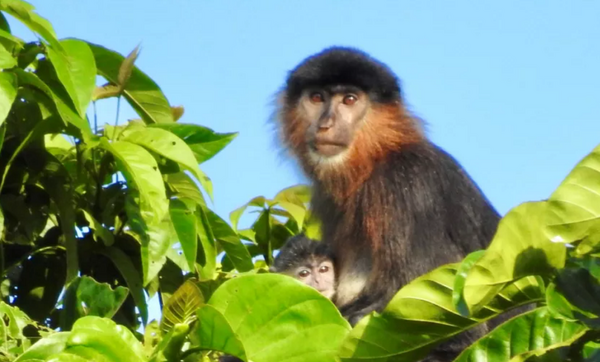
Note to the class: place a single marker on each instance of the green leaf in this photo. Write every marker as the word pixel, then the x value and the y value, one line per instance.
pixel 591 351
pixel 298 213
pixel 235 215
pixel 183 187
pixel 76 69
pixel 181 307
pixel 8 93
pixel 230 242
pixel 297 194
pixel 172 147
pixel 580 290
pixel 65 112
pixel 574 207
pixel 216 334
pixel 132 278
pixel 184 222
pixel 530 332
pixel 45 348
pixel 204 142
pixel 142 93
pixel 84 296
pixel 25 13
pixel 58 184
pixel 9 41
pixel 100 339
pixel 461 277
pixel 145 184
pixel 154 251
pixel 100 231
pixel 170 345
pixel 207 258
pixel 422 315
pixel 7 60
pixel 15 319
pixel 518 249
pixel 276 318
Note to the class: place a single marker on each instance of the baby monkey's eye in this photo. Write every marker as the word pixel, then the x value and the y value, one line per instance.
pixel 324 269
pixel 303 273
pixel 349 99
pixel 316 97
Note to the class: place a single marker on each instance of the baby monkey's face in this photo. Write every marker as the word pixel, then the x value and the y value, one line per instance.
pixel 317 273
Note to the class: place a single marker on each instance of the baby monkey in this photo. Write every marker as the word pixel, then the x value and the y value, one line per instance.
pixel 309 261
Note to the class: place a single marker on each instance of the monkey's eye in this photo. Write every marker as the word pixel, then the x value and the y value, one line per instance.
pixel 303 273
pixel 349 99
pixel 324 269
pixel 316 97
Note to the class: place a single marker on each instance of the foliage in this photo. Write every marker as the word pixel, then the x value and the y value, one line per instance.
pixel 97 218
pixel 114 213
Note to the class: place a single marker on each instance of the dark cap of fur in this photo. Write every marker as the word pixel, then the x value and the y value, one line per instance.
pixel 347 67
pixel 297 251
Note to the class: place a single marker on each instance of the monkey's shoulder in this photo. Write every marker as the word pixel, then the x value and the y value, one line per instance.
pixel 422 162
pixel 425 174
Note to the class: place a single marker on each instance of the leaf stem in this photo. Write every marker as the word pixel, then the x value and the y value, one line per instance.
pixel 117 117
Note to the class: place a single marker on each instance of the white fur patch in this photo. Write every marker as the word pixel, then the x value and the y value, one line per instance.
pixel 328 162
pixel 349 287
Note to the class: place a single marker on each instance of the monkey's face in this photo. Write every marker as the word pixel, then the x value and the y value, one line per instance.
pixel 318 274
pixel 332 115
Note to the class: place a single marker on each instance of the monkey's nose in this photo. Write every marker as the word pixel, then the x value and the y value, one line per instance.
pixel 326 123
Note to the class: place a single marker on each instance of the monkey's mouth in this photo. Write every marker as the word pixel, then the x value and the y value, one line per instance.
pixel 328 149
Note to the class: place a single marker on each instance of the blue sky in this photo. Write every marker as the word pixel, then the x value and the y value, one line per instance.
pixel 511 88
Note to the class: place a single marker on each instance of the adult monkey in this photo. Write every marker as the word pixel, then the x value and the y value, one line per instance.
pixel 393 204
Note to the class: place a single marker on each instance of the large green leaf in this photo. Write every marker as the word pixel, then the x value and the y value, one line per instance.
pixel 204 142
pixel 534 331
pixel 8 93
pixel 26 14
pixel 76 68
pixel 422 315
pixel 142 175
pixel 276 318
pixel 170 146
pixel 184 222
pixel 142 93
pixel 518 249
pixel 574 207
pixel 230 242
